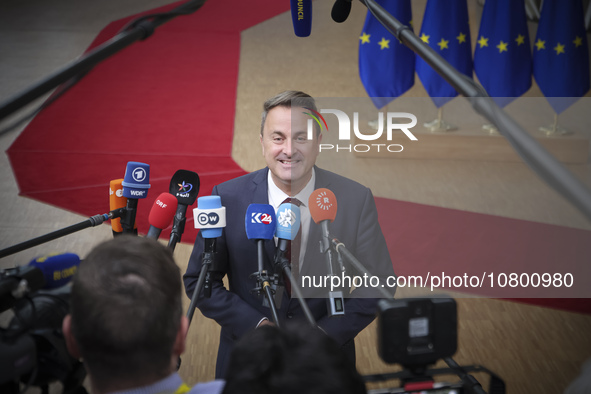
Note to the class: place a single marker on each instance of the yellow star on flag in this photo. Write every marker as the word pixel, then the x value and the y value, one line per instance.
pixel 540 44
pixel 365 38
pixel 384 43
pixel 443 44
pixel 520 40
pixel 483 42
pixel 425 38
pixel 461 38
pixel 578 41
pixel 559 48
pixel 502 46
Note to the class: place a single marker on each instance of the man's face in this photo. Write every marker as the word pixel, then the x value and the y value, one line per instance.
pixel 289 154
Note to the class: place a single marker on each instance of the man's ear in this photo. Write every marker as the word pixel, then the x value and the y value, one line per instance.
pixel 181 337
pixel 262 145
pixel 71 343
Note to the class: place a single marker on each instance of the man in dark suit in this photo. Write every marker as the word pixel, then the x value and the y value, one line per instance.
pixel 290 172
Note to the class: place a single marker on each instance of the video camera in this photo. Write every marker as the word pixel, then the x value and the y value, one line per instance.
pixel 416 333
pixel 32 347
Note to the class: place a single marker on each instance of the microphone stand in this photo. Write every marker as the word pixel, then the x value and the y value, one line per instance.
pixel 140 29
pixel 283 263
pixel 530 150
pixel 204 282
pixel 340 248
pixel 335 300
pixel 90 222
pixel 178 226
pixel 263 282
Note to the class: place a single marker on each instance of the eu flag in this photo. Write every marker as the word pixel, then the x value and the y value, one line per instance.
pixel 446 29
pixel 386 66
pixel 502 59
pixel 561 56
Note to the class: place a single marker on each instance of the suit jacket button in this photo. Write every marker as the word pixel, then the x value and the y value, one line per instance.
pixel 290 315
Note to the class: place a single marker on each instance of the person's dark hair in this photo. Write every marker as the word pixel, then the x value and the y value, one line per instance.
pixel 126 309
pixel 295 360
pixel 289 99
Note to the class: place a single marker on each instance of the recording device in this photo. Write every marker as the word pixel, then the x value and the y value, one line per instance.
pixel 341 10
pixel 260 224
pixel 301 17
pixel 161 214
pixel 184 185
pixel 136 183
pixel 32 346
pixel 416 333
pixel 323 209
pixel 210 219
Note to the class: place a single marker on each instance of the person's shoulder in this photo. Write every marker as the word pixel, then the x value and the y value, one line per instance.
pixel 212 387
pixel 243 181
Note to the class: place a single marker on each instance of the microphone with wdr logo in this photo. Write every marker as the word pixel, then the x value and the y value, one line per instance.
pixel 161 214
pixel 136 183
pixel 210 219
pixel 260 226
pixel 301 17
pixel 323 209
pixel 184 185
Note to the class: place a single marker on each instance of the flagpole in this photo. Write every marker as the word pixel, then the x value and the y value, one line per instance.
pixel 439 124
pixel 555 129
pixel 530 150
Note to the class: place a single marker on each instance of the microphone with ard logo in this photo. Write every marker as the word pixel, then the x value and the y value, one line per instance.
pixel 161 214
pixel 184 185
pixel 260 223
pixel 136 183
pixel 210 219
pixel 323 209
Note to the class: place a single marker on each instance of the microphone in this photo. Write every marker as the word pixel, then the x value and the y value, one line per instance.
pixel 57 269
pixel 184 185
pixel 260 226
pixel 341 10
pixel 161 214
pixel 323 209
pixel 136 183
pixel 301 17
pixel 117 201
pixel 210 219
pixel 45 272
pixel 288 225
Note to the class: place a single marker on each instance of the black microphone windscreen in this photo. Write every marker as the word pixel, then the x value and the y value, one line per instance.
pixel 341 10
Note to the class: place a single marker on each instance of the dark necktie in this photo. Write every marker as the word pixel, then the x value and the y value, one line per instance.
pixel 293 250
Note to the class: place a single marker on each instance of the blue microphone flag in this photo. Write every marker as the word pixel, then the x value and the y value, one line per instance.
pixel 260 221
pixel 136 181
pixel 288 221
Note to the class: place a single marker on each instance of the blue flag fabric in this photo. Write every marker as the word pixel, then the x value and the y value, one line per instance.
pixel 502 59
pixel 386 66
pixel 446 29
pixel 561 55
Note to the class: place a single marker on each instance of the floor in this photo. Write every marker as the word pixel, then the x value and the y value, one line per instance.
pixel 536 350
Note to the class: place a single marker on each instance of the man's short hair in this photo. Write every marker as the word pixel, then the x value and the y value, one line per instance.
pixel 126 309
pixel 289 99
pixel 290 360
